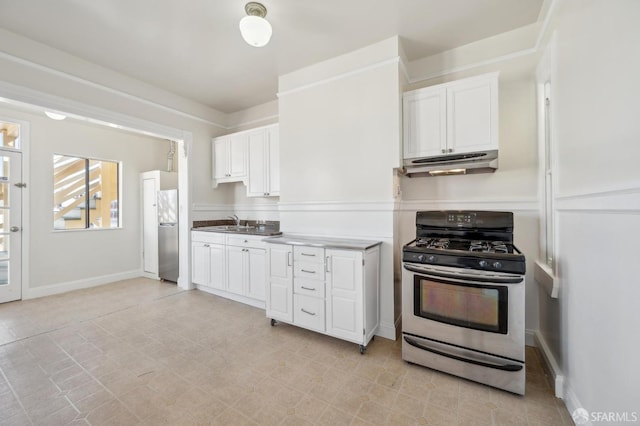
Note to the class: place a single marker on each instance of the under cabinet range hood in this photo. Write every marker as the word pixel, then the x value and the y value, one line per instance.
pixel 454 164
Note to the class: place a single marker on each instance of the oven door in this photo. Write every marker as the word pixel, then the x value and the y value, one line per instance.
pixel 478 310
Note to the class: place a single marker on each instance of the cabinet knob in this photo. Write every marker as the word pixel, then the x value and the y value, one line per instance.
pixel 444 150
pixel 450 149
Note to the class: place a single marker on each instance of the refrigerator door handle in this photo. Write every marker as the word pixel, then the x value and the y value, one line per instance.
pixel 167 224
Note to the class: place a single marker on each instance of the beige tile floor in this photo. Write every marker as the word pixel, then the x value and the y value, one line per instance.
pixel 144 352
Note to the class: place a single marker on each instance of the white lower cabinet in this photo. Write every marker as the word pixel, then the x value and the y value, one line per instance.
pixel 331 291
pixel 230 266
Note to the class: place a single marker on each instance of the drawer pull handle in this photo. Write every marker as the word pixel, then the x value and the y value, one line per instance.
pixel 308 272
pixel 308 254
pixel 307 312
pixel 307 288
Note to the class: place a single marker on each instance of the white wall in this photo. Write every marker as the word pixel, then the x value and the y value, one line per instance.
pixel 339 143
pixel 60 259
pixel 598 201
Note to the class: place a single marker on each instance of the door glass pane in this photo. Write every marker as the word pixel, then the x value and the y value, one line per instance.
pixel 9 135
pixel 69 190
pixel 4 272
pixel 4 246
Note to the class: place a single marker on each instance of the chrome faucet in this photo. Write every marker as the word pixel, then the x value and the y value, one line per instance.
pixel 235 218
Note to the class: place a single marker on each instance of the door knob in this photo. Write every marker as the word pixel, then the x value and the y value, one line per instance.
pixel 14 229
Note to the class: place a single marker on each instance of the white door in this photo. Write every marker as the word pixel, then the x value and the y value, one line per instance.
pixel 10 226
pixel 280 286
pixel 217 266
pixel 425 123
pixel 200 263
pixel 472 116
pixel 274 161
pixel 344 304
pixel 257 274
pixel 235 269
pixel 257 161
pixel 150 225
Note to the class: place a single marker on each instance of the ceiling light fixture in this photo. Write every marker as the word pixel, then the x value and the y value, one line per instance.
pixel 55 115
pixel 255 30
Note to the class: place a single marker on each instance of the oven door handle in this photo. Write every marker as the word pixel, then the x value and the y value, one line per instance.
pixel 503 367
pixel 493 279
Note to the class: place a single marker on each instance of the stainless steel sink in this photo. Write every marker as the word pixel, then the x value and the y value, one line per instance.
pixel 235 228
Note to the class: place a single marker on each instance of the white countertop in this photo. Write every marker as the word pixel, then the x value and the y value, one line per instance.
pixel 326 242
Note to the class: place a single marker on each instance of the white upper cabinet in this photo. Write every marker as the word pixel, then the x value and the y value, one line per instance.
pixel 452 118
pixel 251 156
pixel 230 158
pixel 264 162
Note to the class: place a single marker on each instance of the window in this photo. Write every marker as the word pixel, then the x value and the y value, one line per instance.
pixel 85 193
pixel 548 180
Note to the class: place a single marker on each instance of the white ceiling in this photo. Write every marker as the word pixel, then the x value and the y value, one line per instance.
pixel 193 48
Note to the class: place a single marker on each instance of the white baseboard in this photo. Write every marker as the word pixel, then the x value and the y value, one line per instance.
pixel 386 330
pixel 529 338
pixel 49 290
pixel 572 403
pixel 550 364
pixel 234 297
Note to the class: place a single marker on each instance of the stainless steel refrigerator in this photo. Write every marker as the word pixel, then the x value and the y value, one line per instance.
pixel 168 235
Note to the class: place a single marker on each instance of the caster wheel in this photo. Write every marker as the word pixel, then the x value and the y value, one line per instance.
pixel 273 322
pixel 362 349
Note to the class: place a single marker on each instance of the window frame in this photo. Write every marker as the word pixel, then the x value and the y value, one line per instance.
pixel 119 186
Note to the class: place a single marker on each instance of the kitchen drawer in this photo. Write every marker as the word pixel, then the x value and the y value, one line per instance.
pixel 246 241
pixel 308 254
pixel 311 288
pixel 308 312
pixel 308 270
pixel 207 237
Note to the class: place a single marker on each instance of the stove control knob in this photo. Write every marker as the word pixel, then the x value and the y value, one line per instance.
pixel 421 258
pixel 483 263
pixel 497 265
pixel 432 258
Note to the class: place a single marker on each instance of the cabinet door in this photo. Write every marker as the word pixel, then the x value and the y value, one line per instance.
pixel 235 269
pixel 200 263
pixel 217 266
pixel 425 123
pixel 280 287
pixel 257 178
pixel 472 110
pixel 220 158
pixel 274 161
pixel 345 294
pixel 257 271
pixel 238 155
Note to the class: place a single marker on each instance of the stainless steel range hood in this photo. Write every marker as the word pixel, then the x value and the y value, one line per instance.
pixel 455 164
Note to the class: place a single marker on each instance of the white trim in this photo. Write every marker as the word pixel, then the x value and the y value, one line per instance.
pixel 387 330
pixel 37 100
pixel 515 204
pixel 235 297
pixel 555 373
pixel 254 121
pixel 545 23
pixel 621 200
pixel 337 206
pixel 394 60
pixel 572 402
pixel 461 68
pixel 546 279
pixel 529 337
pixel 104 88
pixel 49 290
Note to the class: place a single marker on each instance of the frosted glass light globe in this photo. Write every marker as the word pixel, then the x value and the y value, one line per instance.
pixel 255 30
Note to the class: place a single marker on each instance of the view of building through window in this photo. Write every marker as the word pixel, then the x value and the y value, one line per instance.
pixel 85 193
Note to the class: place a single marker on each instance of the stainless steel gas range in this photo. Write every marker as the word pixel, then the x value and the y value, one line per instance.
pixel 463 297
